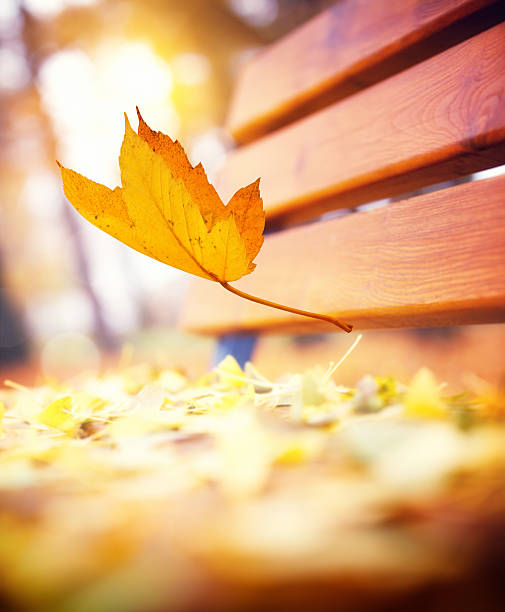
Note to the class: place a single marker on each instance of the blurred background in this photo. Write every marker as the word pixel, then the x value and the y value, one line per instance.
pixel 71 298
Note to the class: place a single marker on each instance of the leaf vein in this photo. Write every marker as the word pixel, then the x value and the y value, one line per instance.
pixel 170 228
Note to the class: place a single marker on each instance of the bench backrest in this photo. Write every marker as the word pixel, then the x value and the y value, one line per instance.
pixel 372 100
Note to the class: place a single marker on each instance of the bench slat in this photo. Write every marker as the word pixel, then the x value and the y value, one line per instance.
pixel 347 47
pixel 436 121
pixel 437 259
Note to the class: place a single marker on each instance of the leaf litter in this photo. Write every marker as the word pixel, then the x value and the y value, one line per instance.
pixel 140 472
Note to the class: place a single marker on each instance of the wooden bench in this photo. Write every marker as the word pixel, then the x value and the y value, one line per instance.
pixel 372 100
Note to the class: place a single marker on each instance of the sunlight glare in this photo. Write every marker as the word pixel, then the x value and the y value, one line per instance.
pixel 133 72
pixel 86 97
pixel 191 68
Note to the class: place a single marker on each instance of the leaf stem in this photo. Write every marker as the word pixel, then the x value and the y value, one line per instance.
pixel 345 326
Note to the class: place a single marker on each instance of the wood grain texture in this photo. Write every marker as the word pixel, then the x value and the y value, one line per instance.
pixel 438 120
pixel 344 49
pixel 437 259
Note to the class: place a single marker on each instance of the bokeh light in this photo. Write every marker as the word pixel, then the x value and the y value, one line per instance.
pixel 69 310
pixel 210 149
pixel 14 71
pixel 256 12
pixel 50 8
pixel 191 68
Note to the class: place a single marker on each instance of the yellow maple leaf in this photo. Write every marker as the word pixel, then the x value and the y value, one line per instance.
pixel 168 210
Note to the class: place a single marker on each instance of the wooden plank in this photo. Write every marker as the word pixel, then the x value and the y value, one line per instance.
pixel 437 259
pixel 347 47
pixel 436 121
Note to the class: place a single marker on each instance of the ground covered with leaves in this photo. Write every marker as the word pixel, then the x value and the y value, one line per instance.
pixel 141 490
